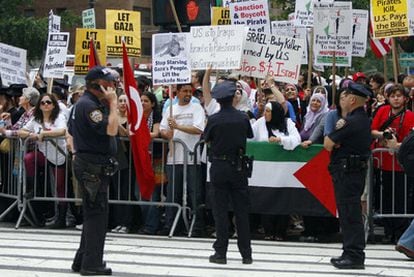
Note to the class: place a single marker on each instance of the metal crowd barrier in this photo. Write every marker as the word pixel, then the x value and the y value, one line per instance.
pixel 386 190
pixel 44 188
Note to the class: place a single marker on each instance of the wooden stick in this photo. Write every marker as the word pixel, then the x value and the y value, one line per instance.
pixel 334 78
pixel 174 11
pixel 395 60
pixel 310 59
pixel 384 62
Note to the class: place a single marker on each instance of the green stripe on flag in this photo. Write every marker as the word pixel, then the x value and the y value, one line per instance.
pixel 264 151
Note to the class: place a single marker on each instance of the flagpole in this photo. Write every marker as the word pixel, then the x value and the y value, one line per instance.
pixel 174 11
pixel 310 59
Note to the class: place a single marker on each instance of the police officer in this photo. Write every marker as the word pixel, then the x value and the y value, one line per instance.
pixel 350 146
pixel 93 123
pixel 226 133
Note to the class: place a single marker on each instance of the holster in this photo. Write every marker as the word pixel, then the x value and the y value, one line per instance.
pixel 247 165
pixel 91 183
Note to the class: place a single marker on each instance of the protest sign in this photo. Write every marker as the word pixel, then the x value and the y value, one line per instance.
pixel 88 19
pixel 83 37
pixel 254 14
pixel 221 46
pixel 170 59
pixel 333 33
pixel 123 24
pixel 56 51
pixel 359 32
pixel 54 23
pixel 278 56
pixel 287 28
pixel 12 64
pixel 304 12
pixel 411 17
pixel 389 18
pixel 226 3
pixel 220 16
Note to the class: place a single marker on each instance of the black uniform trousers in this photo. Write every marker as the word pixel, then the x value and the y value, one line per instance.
pixel 95 218
pixel 349 186
pixel 230 185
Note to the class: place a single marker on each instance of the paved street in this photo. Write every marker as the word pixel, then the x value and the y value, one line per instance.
pixel 42 252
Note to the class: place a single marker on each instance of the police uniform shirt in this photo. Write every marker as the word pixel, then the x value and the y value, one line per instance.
pixel 353 135
pixel 227 131
pixel 88 124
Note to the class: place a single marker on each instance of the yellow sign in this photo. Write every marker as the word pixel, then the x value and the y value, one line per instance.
pixel 389 18
pixel 122 24
pixel 83 36
pixel 220 16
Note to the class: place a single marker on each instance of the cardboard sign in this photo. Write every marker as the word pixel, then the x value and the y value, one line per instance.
pixel 54 23
pixel 220 46
pixel 122 24
pixel 220 16
pixel 333 33
pixel 83 37
pixel 56 51
pixel 278 56
pixel 254 14
pixel 359 32
pixel 12 64
pixel 389 18
pixel 304 12
pixel 170 59
pixel 88 19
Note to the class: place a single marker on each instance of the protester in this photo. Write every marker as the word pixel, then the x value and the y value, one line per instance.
pixel 312 131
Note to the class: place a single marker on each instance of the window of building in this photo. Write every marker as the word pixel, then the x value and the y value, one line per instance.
pixel 146 44
pixel 145 15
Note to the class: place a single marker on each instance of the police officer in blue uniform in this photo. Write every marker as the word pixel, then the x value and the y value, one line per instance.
pixel 226 133
pixel 93 123
pixel 350 146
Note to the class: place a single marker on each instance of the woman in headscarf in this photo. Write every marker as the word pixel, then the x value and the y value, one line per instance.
pixel 274 127
pixel 315 113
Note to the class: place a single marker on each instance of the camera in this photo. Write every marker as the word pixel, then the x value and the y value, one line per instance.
pixel 387 135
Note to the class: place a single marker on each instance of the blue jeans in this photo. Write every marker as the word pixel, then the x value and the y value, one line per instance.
pixel 152 213
pixel 407 239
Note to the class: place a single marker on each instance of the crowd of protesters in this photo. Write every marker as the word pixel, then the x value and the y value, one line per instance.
pixel 292 115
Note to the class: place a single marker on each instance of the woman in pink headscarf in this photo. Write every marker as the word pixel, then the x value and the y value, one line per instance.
pixel 315 114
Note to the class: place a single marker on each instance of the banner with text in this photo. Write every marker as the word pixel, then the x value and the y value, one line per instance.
pixel 304 12
pixel 359 32
pixel 122 24
pixel 170 59
pixel 220 16
pixel 389 18
pixel 278 56
pixel 226 3
pixel 83 37
pixel 287 28
pixel 254 14
pixel 88 19
pixel 56 51
pixel 220 46
pixel 333 33
pixel 12 65
pixel 53 23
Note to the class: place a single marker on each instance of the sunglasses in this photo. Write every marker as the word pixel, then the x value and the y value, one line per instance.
pixel 46 102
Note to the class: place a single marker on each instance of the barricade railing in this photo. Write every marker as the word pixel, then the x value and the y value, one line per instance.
pixel 390 192
pixel 44 183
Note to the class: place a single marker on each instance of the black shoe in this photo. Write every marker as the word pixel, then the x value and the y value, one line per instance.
pixel 164 232
pixel 96 271
pixel 346 263
pixel 335 259
pixel 77 267
pixel 247 260
pixel 218 259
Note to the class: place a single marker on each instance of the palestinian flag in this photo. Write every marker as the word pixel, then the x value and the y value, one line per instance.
pixel 286 182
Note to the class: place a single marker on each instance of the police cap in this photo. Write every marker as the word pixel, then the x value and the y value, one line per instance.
pixel 358 89
pixel 99 72
pixel 15 90
pixel 224 89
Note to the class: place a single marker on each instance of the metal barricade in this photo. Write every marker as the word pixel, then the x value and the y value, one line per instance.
pixel 390 192
pixel 11 164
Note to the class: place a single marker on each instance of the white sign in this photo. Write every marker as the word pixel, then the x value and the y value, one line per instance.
pixel 411 17
pixel 221 46
pixel 304 12
pixel 88 19
pixel 55 60
pixel 278 56
pixel 170 59
pixel 54 23
pixel 226 3
pixel 333 33
pixel 287 28
pixel 359 32
pixel 254 14
pixel 12 65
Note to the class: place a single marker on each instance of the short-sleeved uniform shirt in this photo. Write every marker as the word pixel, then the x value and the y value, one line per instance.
pixel 354 137
pixel 88 123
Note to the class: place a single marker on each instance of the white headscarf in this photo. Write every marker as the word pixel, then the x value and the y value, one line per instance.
pixel 310 116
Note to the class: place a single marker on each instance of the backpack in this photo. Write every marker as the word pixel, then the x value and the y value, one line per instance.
pixel 405 154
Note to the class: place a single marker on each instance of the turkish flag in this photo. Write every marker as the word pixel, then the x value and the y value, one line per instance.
pixel 139 134
pixel 93 55
pixel 380 47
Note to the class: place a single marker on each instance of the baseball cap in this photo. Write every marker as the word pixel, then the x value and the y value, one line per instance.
pixel 100 72
pixel 358 75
